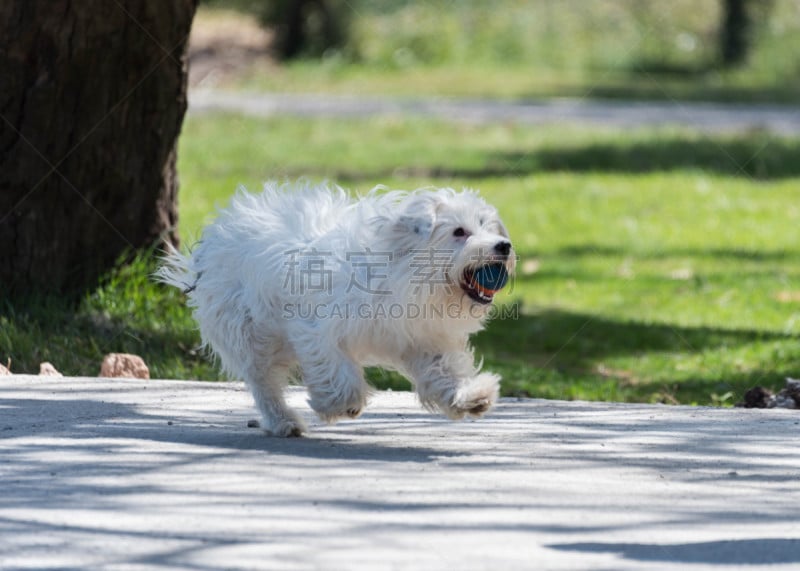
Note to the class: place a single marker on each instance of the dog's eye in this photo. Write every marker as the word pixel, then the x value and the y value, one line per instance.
pixel 459 232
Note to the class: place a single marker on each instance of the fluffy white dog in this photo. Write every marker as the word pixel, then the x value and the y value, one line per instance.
pixel 303 280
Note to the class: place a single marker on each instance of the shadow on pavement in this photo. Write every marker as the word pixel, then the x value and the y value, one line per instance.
pixel 88 469
pixel 770 551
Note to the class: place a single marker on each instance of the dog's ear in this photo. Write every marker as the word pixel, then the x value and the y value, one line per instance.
pixel 419 225
pixel 418 218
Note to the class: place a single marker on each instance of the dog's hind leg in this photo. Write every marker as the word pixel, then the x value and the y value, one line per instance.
pixel 248 347
pixel 267 381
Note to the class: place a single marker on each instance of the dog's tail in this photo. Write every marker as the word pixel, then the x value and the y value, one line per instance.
pixel 176 270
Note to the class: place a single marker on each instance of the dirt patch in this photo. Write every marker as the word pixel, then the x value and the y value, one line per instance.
pixel 788 296
pixel 225 46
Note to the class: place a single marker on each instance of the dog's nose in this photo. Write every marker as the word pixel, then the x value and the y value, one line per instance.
pixel 503 247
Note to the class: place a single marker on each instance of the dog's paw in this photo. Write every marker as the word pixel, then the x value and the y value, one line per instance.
pixel 331 416
pixel 286 428
pixel 338 407
pixel 475 396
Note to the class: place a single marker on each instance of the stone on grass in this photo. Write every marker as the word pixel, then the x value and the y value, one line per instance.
pixel 47 369
pixel 124 365
pixel 760 397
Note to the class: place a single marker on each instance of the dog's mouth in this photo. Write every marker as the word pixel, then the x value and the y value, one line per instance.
pixel 481 283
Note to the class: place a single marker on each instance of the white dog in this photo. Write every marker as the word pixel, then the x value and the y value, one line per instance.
pixel 302 279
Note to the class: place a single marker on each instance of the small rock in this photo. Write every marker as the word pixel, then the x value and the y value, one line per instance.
pixel 47 369
pixel 758 397
pixel 793 389
pixel 253 424
pixel 124 365
pixel 789 396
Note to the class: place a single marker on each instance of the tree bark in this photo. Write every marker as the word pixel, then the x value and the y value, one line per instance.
pixel 307 26
pixel 735 33
pixel 92 98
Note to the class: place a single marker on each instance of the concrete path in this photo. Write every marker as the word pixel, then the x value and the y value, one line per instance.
pixel 708 117
pixel 128 474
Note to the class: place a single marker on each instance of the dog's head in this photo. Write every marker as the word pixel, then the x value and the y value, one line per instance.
pixel 458 242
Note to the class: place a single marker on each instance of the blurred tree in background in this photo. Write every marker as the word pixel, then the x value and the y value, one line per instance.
pixel 312 28
pixel 307 27
pixel 736 36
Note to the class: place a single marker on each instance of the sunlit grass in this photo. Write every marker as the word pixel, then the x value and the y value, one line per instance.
pixel 519 50
pixel 656 265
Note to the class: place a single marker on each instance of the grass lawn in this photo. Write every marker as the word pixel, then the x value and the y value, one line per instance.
pixel 508 49
pixel 656 265
pixel 520 83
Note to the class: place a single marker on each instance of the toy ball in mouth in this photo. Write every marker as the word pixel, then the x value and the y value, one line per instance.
pixel 482 283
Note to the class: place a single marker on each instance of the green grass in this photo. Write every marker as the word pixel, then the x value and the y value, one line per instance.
pixel 520 50
pixel 520 83
pixel 656 265
pixel 128 313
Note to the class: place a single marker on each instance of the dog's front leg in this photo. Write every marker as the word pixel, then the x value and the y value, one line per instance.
pixel 335 383
pixel 450 382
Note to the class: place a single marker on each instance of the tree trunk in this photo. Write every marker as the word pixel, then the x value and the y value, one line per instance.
pixel 735 33
pixel 307 27
pixel 92 97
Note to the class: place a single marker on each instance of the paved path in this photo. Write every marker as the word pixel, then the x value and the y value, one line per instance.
pixel 709 117
pixel 126 474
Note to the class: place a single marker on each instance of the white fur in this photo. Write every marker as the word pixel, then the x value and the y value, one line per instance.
pixel 242 281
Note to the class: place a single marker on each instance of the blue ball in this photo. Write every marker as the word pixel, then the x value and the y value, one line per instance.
pixel 492 277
